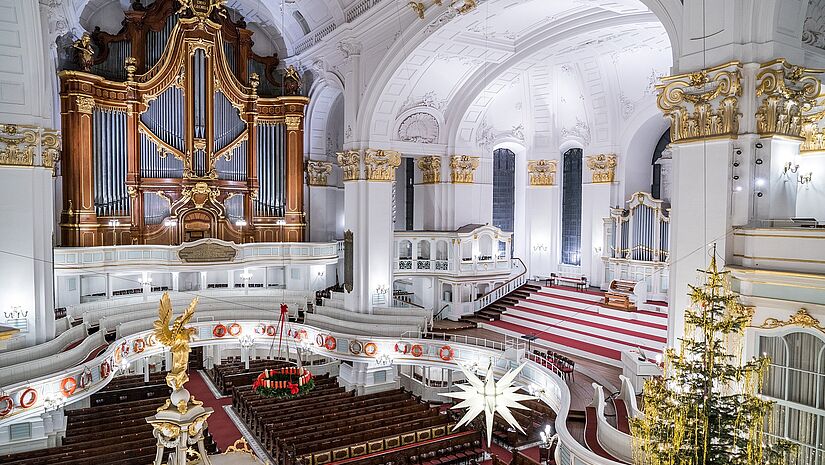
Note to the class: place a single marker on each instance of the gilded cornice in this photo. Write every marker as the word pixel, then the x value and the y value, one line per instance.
pixel 350 162
pixel 380 165
pixel 702 104
pixel 463 168
pixel 542 172
pixel 430 167
pixel 801 318
pixel 603 167
pixel 786 96
pixel 318 172
pixel 23 145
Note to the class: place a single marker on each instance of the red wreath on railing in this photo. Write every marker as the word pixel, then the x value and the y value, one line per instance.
pixel 260 329
pixel 234 329
pixel 219 331
pixel 140 346
pixel 329 343
pixel 284 383
pixel 68 386
pixel 446 353
pixel 370 349
pixel 417 350
pixel 271 331
pixel 8 406
pixel 402 347
pixel 105 369
pixel 28 397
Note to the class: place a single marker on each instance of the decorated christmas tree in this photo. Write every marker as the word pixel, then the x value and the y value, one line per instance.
pixel 705 410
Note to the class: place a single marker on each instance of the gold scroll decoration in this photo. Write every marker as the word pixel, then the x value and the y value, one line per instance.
pixel 20 145
pixel 430 167
pixel 542 172
pixel 349 162
pixel 702 104
pixel 380 165
pixel 463 169
pixel 200 193
pixel 787 95
pixel 801 318
pixel 603 167
pixel 318 172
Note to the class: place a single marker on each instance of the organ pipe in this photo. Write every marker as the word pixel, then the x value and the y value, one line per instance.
pixel 641 232
pixel 109 158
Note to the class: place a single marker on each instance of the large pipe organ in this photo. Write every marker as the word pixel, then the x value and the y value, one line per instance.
pixel 637 244
pixel 174 130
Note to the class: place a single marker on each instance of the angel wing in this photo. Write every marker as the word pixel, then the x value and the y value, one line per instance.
pixel 162 331
pixel 183 319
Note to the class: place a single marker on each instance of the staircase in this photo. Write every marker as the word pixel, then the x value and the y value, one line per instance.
pixel 493 311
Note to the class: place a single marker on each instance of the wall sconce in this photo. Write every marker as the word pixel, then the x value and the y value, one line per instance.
pixel 240 223
pixel 246 276
pixel 114 223
pixel 246 341
pixel 145 282
pixel 597 250
pixel 280 222
pixel 383 360
pixel 381 289
pixel 806 178
pixel 170 222
pixel 790 167
pixel 540 248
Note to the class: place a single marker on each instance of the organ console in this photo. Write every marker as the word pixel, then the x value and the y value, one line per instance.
pixel 627 295
pixel 179 131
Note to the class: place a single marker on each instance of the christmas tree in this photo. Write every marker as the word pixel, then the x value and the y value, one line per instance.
pixel 705 410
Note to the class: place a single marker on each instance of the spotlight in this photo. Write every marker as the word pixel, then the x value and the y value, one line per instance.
pixel 759 194
pixel 738 151
pixel 738 188
pixel 759 145
pixel 758 161
pixel 735 176
pixel 760 182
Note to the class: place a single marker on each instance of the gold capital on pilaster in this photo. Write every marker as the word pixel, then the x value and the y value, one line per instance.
pixel 84 104
pixel 602 166
pixel 318 172
pixel 702 104
pixel 463 169
pixel 293 123
pixel 787 94
pixel 542 172
pixel 430 167
pixel 350 162
pixel 380 165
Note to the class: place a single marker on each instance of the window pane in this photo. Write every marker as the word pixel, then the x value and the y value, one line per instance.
pixel 504 189
pixel 571 212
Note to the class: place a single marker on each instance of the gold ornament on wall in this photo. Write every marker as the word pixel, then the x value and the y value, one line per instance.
pixel 430 167
pixel 542 172
pixel 350 162
pixel 85 104
pixel 380 165
pixel 702 104
pixel 20 146
pixel 200 193
pixel 603 167
pixel 463 168
pixel 318 172
pixel 787 94
pixel 801 318
pixel 293 123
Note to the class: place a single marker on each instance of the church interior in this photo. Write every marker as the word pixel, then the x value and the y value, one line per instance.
pixel 412 232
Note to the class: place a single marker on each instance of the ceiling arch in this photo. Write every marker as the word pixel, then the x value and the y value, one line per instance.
pixel 448 57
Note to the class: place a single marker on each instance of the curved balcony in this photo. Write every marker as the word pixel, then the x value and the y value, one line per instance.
pixel 473 250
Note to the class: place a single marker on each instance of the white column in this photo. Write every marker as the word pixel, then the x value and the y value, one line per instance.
pixel 595 207
pixel 175 280
pixel 108 286
pixel 230 279
pixel 542 205
pixel 202 276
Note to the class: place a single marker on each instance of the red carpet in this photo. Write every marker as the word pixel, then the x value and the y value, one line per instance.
pixel 545 293
pixel 220 425
pixel 561 341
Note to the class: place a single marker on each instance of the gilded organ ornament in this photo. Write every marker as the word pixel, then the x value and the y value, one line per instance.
pixel 84 52
pixel 463 168
pixel 318 172
pixel 350 162
pixel 430 169
pixel 603 167
pixel 22 145
pixel 542 172
pixel 801 318
pixel 702 104
pixel 200 193
pixel 380 165
pixel 787 94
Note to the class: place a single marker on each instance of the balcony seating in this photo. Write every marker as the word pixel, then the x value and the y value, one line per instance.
pixel 112 433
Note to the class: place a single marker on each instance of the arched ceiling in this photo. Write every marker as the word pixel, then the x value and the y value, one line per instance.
pixel 518 68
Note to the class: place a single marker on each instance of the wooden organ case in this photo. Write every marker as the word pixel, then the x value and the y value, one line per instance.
pixel 174 130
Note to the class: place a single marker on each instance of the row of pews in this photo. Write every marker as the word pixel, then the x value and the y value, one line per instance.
pixel 112 431
pixel 232 372
pixel 331 425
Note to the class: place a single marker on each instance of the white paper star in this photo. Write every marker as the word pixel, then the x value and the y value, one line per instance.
pixel 490 397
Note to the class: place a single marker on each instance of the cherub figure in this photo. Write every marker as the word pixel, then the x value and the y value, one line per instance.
pixel 176 338
pixel 292 81
pixel 84 52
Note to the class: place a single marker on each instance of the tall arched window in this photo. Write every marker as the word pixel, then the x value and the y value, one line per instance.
pixel 504 189
pixel 571 208
pixel 656 188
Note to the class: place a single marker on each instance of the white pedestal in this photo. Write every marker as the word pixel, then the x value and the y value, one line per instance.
pixel 637 371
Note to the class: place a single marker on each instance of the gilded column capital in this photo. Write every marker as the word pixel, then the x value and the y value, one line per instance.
pixel 380 165
pixel 463 169
pixel 702 104
pixel 430 167
pixel 603 167
pixel 84 104
pixel 318 172
pixel 542 172
pixel 23 145
pixel 786 96
pixel 350 162
pixel 293 122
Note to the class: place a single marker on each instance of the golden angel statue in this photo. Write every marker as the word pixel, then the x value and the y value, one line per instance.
pixel 176 338
pixel 84 52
